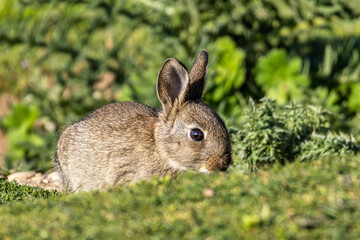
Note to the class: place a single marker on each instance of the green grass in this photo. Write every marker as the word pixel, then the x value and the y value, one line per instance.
pixel 11 191
pixel 307 200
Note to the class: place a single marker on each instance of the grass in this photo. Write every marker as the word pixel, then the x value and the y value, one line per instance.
pixel 11 191
pixel 307 200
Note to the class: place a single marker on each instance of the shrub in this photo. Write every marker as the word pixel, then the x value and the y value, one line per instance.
pixel 226 76
pixel 280 77
pixel 81 41
pixel 275 134
pixel 30 139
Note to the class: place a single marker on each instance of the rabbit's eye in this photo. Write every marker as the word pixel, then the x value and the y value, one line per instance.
pixel 196 134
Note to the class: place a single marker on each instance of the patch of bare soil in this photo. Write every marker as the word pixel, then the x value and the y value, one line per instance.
pixel 50 181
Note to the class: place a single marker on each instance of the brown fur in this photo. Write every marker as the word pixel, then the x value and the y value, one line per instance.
pixel 127 142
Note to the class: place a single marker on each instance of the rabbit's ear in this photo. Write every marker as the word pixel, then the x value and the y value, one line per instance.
pixel 197 76
pixel 172 83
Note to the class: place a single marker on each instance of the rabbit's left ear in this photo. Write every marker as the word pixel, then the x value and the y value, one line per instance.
pixel 197 76
pixel 172 83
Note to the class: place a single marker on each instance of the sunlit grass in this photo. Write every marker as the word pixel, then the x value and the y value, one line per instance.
pixel 318 199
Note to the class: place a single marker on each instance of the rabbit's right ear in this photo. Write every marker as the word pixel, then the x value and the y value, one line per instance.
pixel 197 76
pixel 172 83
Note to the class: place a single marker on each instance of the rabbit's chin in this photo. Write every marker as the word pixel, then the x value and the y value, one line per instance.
pixel 204 170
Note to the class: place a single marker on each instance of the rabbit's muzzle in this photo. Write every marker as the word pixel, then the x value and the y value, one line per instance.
pixel 218 163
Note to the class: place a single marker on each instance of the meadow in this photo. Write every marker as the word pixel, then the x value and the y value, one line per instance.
pixel 283 74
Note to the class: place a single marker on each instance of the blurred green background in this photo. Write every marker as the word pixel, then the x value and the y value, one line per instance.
pixel 60 60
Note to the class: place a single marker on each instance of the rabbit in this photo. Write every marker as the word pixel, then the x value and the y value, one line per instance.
pixel 127 142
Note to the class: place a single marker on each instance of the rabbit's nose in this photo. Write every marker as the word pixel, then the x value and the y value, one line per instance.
pixel 224 166
pixel 225 163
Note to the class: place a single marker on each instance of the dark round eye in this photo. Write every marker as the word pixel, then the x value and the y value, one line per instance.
pixel 196 134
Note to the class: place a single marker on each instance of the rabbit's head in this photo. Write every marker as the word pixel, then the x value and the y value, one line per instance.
pixel 190 135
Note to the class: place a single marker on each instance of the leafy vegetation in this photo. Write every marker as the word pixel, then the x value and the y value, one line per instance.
pixel 26 143
pixel 280 77
pixel 69 58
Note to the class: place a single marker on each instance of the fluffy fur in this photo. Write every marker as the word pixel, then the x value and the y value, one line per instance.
pixel 127 142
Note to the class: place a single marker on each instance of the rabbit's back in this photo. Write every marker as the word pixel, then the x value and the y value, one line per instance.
pixel 108 146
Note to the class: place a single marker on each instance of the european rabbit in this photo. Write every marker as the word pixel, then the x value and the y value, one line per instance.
pixel 126 142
